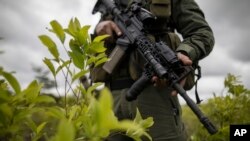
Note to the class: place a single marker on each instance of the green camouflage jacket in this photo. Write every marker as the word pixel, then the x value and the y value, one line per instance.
pixel 189 21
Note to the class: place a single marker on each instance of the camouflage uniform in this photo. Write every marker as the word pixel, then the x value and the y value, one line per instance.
pixel 198 40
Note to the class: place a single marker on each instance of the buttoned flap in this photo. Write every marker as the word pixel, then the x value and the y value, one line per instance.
pixel 161 1
pixel 161 8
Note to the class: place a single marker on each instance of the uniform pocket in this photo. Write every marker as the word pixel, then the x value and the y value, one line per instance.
pixel 128 108
pixel 161 8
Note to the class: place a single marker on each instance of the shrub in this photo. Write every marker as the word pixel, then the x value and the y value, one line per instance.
pixel 78 114
pixel 230 107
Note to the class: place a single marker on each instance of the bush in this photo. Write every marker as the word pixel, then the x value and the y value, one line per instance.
pixel 231 107
pixel 78 114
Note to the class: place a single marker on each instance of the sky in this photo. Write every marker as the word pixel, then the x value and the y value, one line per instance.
pixel 22 21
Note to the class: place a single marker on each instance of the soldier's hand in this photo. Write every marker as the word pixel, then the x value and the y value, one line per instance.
pixel 161 83
pixel 109 28
pixel 187 62
pixel 184 59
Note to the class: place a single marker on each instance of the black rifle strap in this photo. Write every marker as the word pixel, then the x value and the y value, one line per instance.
pixel 198 75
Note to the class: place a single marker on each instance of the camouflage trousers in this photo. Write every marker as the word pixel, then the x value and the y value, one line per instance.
pixel 156 103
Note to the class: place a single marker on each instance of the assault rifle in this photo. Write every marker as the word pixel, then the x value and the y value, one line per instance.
pixel 161 61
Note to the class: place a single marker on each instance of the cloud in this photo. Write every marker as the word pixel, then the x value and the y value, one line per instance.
pixel 230 20
pixel 21 23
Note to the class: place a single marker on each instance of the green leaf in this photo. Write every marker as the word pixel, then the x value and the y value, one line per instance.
pixel 101 55
pixel 91 60
pixel 73 111
pixel 74 46
pixel 77 59
pixel 79 74
pixel 12 81
pixel 57 28
pixel 106 100
pixel 66 131
pixel 56 112
pixel 31 124
pixel 5 96
pixel 40 127
pixel 100 38
pixel 106 112
pixel 32 91
pixel 145 123
pixel 93 87
pixel 77 24
pixel 100 111
pixel 6 113
pixel 137 128
pixel 21 115
pixel 45 99
pixel 50 44
pixel 96 47
pixel 82 90
pixel 101 61
pixel 83 35
pixel 73 27
pixel 63 65
pixel 50 66
pixel 138 116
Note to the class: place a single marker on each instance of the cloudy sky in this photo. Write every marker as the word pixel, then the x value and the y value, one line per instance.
pixel 21 21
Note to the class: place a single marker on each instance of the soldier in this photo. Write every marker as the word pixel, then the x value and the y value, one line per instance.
pixel 157 100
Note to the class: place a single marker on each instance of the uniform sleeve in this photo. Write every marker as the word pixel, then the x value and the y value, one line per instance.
pixel 198 38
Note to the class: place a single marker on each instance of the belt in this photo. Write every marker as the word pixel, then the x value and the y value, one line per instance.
pixel 119 84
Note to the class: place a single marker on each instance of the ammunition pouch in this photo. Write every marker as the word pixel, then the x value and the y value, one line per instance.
pixel 160 8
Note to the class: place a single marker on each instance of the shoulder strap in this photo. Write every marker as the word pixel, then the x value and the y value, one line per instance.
pixel 198 75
